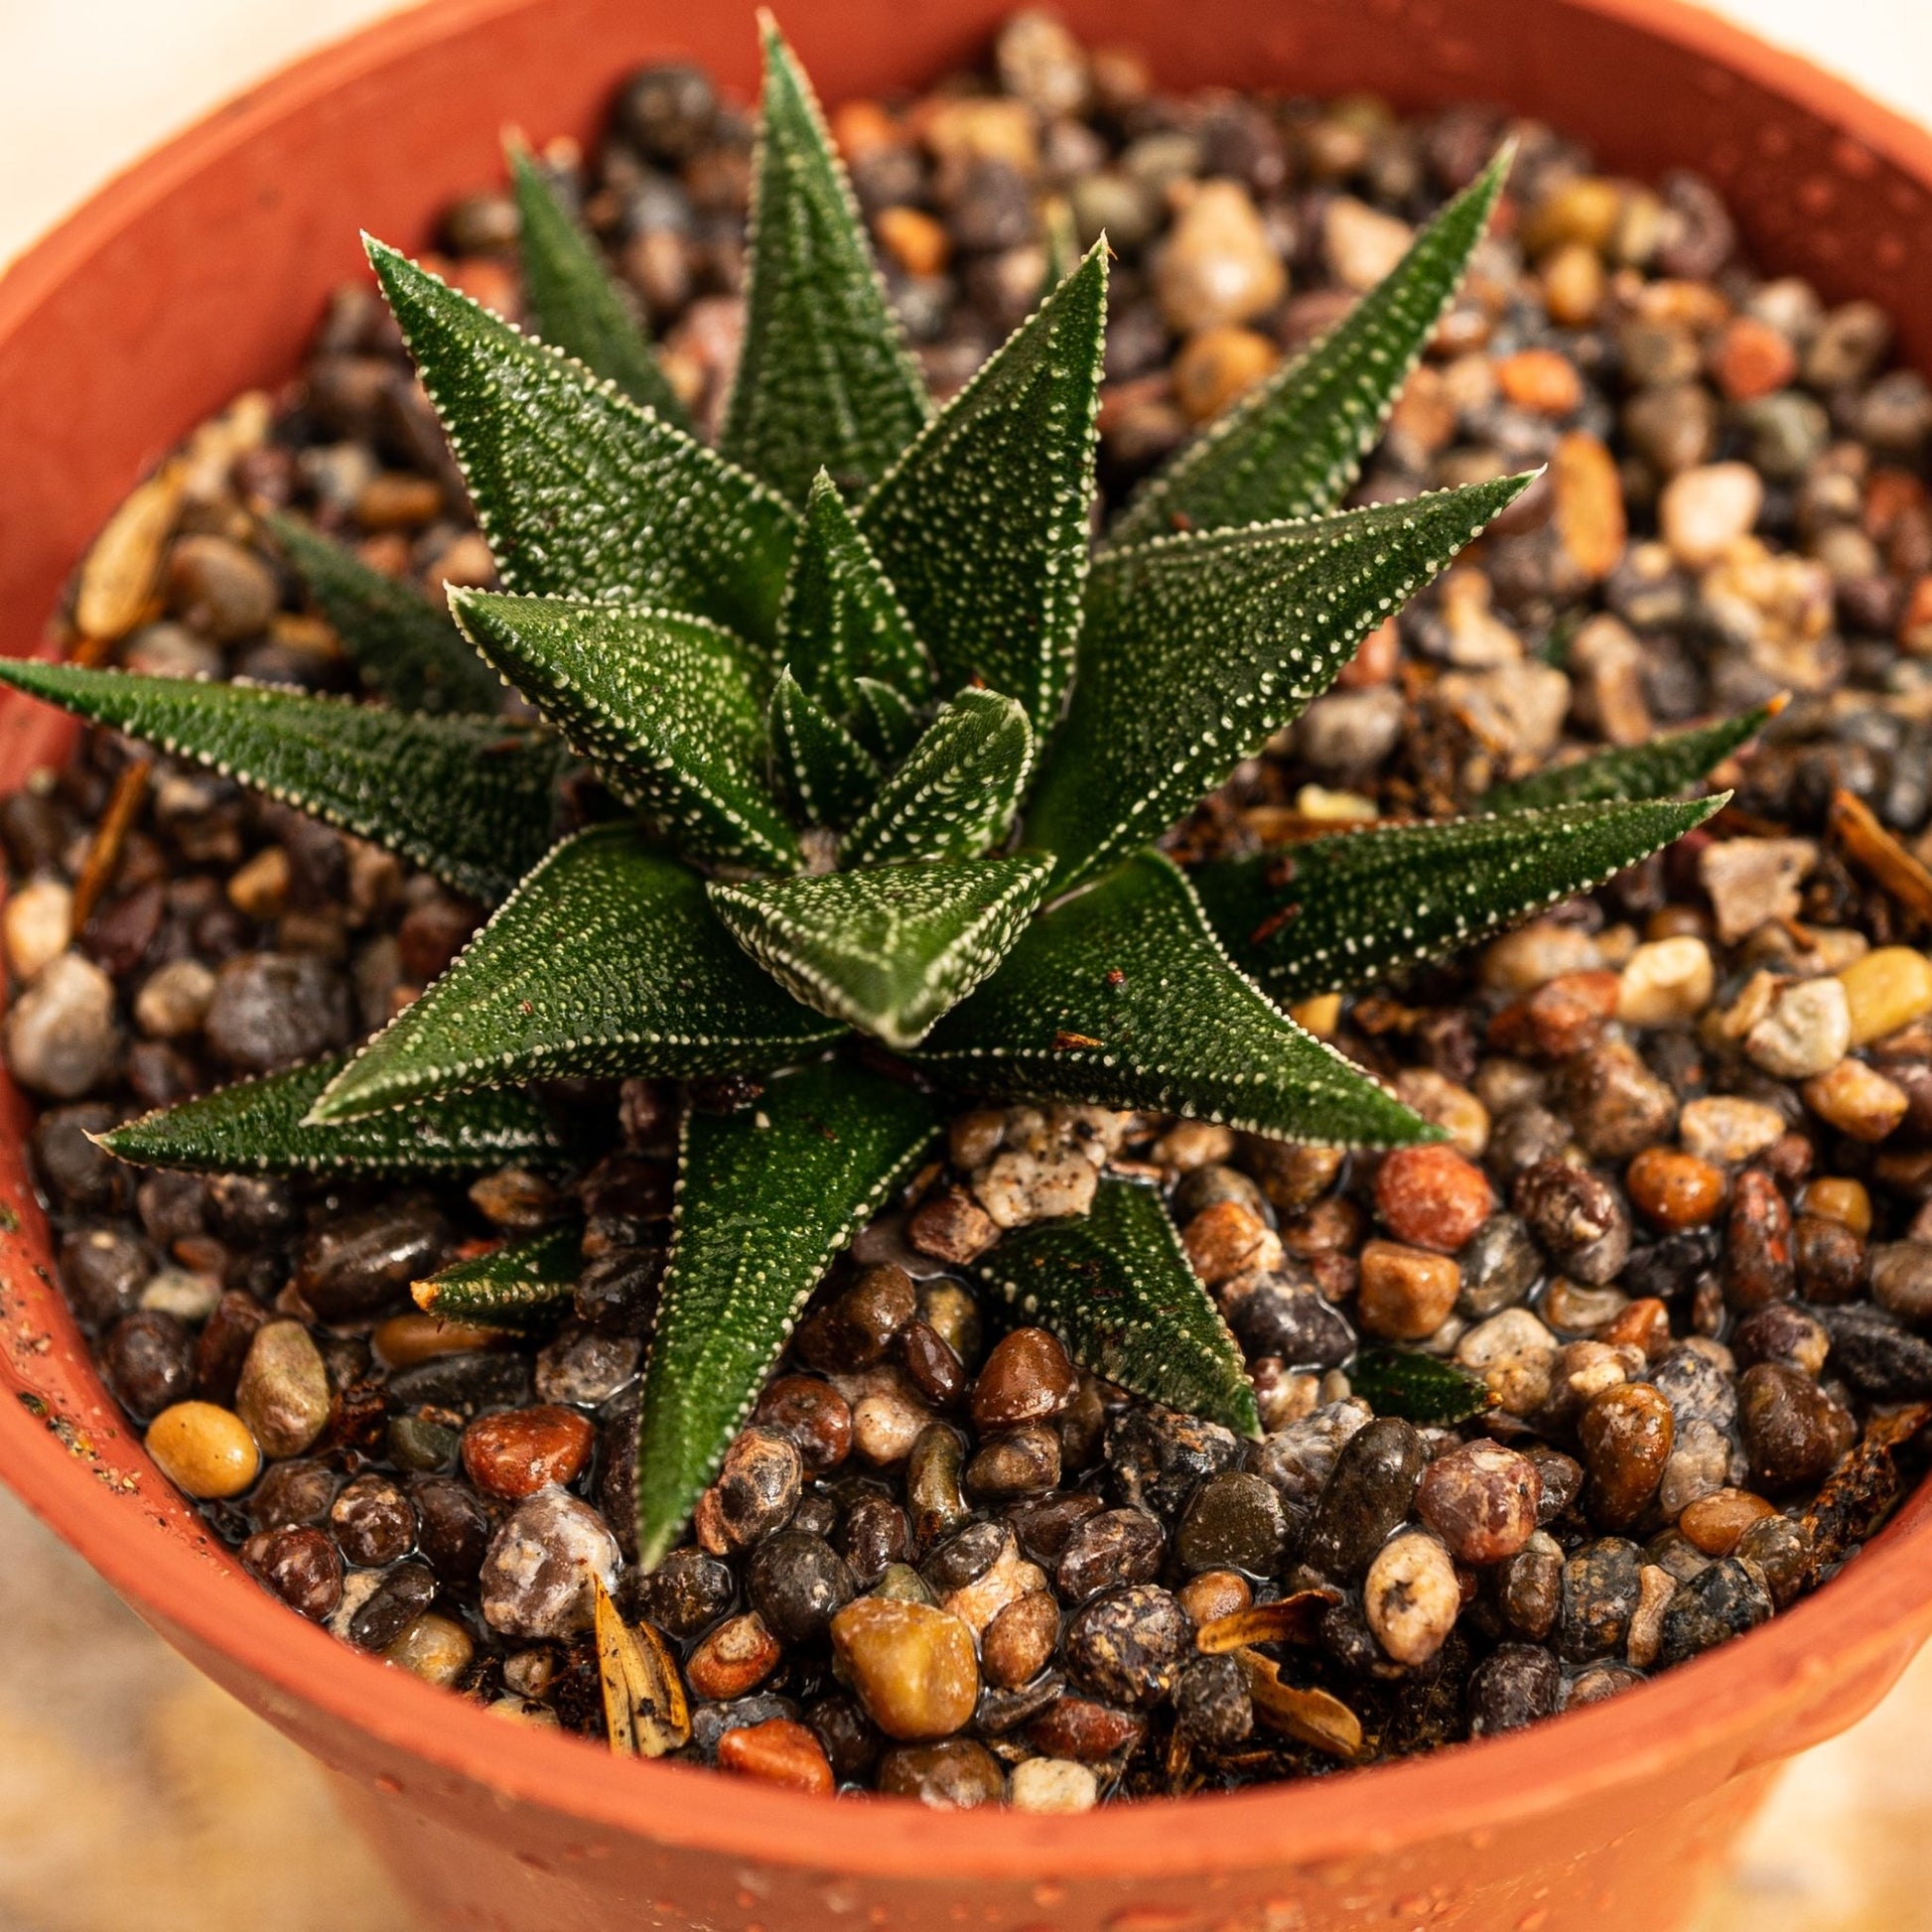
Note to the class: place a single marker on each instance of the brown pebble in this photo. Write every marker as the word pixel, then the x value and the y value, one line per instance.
pixel 1431 1196
pixel 758 1486
pixel 1758 1259
pixel 1215 1594
pixel 1085 1730
pixel 734 1659
pixel 518 1452
pixel 816 1417
pixel 951 1226
pixel 1017 1643
pixel 1675 1190
pixel 958 1775
pixel 1406 1294
pixel 1715 1522
pixel 1481 1499
pixel 1226 1239
pixel 1626 1434
pixel 911 1664
pixel 1793 1431
pixel 778 1751
pixel 1026 1378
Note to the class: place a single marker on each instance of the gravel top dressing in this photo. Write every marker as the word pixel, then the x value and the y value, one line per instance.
pixel 1636 1356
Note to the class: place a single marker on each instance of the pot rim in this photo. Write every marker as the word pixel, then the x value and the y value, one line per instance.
pixel 1731 1700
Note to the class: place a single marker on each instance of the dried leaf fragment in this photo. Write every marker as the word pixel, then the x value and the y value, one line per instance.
pixel 1290 1619
pixel 646 1710
pixel 1879 856
pixel 1311 1717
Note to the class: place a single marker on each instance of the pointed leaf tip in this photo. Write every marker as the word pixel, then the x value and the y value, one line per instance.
pixel 470 799
pixel 574 301
pixel 1197 646
pixel 605 961
pixel 1333 914
pixel 1653 770
pixel 1295 445
pixel 578 490
pixel 887 948
pixel 1122 996
pixel 982 525
pixel 668 707
pixel 766 1198
pixel 824 377
pixel 1115 1285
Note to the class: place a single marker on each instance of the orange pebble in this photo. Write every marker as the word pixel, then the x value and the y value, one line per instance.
pixel 779 1753
pixel 913 239
pixel 1751 360
pixel 1541 380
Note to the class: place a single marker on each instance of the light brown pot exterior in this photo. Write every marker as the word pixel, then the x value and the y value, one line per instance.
pixel 200 273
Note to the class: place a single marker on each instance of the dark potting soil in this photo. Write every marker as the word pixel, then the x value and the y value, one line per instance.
pixel 1682 1228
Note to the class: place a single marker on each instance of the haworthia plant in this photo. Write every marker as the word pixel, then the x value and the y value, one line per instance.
pixel 892 746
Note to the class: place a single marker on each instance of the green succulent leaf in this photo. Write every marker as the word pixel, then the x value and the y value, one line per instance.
pixel 1653 770
pixel 957 789
pixel 887 719
pixel 403 645
pixel 574 303
pixel 669 707
pixel 1419 1388
pixel 260 1126
pixel 841 617
pixel 887 948
pixel 824 377
pixel 766 1198
pixel 1121 996
pixel 605 960
pixel 1338 912
pixel 471 799
pixel 1296 444
pixel 1198 647
pixel 579 491
pixel 982 524
pixel 1116 1288
pixel 523 1287
pixel 819 764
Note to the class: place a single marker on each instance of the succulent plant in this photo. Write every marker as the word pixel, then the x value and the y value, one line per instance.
pixel 854 756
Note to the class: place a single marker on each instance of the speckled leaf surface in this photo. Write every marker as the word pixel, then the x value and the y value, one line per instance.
pixel 1198 647
pixel 888 948
pixel 1653 770
pixel 824 377
pixel 579 491
pixel 1296 444
pixel 1122 996
pixel 403 645
pixel 470 799
pixel 957 789
pixel 1419 1388
pixel 841 618
pixel 982 525
pixel 605 960
pixel 820 766
pixel 259 1127
pixel 574 303
pixel 1116 1288
pixel 888 721
pixel 1338 912
pixel 523 1287
pixel 669 707
pixel 766 1197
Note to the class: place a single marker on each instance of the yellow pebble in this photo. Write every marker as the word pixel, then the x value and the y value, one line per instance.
pixel 1321 1013
pixel 1887 990
pixel 1856 1099
pixel 435 1648
pixel 204 1450
pixel 1834 1198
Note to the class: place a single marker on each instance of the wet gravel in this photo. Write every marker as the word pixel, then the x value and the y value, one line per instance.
pixel 1681 1230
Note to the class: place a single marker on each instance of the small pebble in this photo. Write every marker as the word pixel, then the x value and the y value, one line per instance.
pixel 1411 1597
pixel 1055 1785
pixel 778 1751
pixel 283 1392
pixel 911 1664
pixel 1432 1196
pixel 1406 1294
pixel 206 1450
pixel 536 1576
pixel 61 1036
pixel 1481 1500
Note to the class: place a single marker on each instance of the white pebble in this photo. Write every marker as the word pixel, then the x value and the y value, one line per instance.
pixel 1726 1130
pixel 61 1036
pixel 1052 1784
pixel 1411 1596
pixel 173 1000
pixel 1667 980
pixel 1806 1031
pixel 39 925
pixel 1703 511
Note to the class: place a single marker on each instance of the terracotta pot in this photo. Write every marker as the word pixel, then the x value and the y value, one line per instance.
pixel 200 273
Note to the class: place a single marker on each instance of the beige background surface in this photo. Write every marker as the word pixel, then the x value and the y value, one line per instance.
pixel 134 1796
